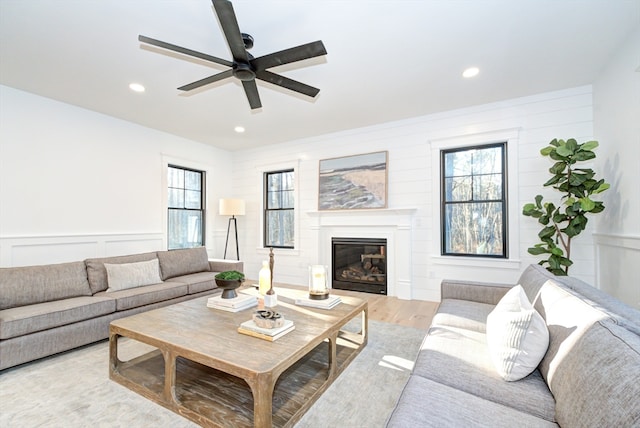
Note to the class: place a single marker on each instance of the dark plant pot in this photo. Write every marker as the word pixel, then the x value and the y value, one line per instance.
pixel 229 287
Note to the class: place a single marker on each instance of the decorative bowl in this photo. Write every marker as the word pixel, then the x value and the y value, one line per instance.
pixel 268 319
pixel 229 287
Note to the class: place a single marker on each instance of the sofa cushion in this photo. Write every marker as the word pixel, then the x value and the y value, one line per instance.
pixel 425 403
pixel 533 278
pixel 567 318
pixel 462 314
pixel 183 262
pixel 624 314
pixel 20 286
pixel 121 276
pixel 141 296
pixel 198 282
pixel 603 368
pixel 475 291
pixel 517 336
pixel 221 265
pixel 97 274
pixel 43 316
pixel 460 359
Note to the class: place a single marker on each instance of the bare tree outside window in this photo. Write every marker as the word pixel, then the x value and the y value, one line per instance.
pixel 474 201
pixel 279 209
pixel 185 210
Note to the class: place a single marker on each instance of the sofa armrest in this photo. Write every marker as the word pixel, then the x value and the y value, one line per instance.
pixel 481 292
pixel 221 265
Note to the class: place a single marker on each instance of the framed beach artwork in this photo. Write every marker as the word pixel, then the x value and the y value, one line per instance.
pixel 353 182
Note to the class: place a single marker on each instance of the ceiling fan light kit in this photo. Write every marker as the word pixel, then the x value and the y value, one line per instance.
pixel 244 66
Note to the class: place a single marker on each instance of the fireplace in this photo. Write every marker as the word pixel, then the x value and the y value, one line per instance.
pixel 359 264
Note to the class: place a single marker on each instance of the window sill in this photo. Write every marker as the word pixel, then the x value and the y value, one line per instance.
pixel 279 251
pixel 476 262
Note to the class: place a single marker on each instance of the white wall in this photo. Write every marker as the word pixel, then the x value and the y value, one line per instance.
pixel 616 95
pixel 75 183
pixel 411 145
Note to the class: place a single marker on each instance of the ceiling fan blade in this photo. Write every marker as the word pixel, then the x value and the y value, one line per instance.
pixel 309 50
pixel 231 30
pixel 184 51
pixel 251 89
pixel 207 80
pixel 285 82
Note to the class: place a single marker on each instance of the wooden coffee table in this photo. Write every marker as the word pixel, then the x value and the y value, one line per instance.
pixel 203 369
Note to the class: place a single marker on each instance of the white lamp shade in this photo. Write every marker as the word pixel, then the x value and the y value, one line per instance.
pixel 231 207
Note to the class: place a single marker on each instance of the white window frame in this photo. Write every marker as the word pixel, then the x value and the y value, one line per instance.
pixel 208 174
pixel 261 171
pixel 511 137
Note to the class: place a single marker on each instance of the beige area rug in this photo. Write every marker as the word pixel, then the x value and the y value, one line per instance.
pixel 73 389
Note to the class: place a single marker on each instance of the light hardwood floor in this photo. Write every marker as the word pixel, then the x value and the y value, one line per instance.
pixel 411 313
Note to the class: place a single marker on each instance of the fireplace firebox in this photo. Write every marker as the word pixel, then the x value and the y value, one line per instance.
pixel 359 264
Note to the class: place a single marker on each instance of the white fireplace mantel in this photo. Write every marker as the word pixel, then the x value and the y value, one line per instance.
pixel 370 212
pixel 393 224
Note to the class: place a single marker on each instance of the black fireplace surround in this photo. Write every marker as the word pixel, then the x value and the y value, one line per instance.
pixel 359 264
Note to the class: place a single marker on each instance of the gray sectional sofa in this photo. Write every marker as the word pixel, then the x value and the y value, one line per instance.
pixel 588 377
pixel 48 309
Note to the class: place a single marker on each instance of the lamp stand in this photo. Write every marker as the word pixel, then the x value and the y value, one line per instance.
pixel 235 228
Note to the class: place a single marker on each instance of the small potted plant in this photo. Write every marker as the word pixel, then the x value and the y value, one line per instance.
pixel 229 280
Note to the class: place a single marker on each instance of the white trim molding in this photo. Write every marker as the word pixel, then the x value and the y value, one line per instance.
pixel 37 250
pixel 617 240
pixel 511 136
pixel 618 266
pixel 260 171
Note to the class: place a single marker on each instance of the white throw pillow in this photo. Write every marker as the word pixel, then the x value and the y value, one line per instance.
pixel 129 275
pixel 517 336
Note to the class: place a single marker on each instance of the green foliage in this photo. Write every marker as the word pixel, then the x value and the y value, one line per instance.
pixel 230 275
pixel 569 218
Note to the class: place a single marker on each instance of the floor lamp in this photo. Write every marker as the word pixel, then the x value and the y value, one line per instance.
pixel 232 207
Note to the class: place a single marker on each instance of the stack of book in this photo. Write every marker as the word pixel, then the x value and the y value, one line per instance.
pixel 236 304
pixel 251 329
pixel 328 303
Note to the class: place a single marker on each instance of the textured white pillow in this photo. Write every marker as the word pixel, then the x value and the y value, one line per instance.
pixel 129 275
pixel 517 336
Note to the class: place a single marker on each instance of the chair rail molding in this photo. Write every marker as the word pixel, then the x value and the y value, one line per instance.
pixel 48 249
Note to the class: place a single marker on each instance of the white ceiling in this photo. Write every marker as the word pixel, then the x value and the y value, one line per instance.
pixel 387 59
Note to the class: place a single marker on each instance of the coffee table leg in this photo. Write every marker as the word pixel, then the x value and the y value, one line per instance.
pixel 169 377
pixel 332 357
pixel 262 388
pixel 113 353
pixel 365 325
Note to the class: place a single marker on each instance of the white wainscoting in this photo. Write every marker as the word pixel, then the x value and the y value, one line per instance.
pixel 618 266
pixel 36 250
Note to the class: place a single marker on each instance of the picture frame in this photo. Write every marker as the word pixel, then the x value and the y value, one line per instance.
pixel 353 182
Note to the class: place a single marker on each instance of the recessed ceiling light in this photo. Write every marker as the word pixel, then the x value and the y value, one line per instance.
pixel 470 72
pixel 136 87
pixel 239 129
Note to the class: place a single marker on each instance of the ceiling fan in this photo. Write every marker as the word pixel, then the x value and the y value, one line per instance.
pixel 244 66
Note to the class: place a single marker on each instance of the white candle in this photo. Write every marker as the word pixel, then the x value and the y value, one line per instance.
pixel 318 279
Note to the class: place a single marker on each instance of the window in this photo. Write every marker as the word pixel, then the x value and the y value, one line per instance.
pixel 279 209
pixel 474 207
pixel 186 208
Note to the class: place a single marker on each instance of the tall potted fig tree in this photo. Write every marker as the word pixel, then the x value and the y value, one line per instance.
pixel 568 218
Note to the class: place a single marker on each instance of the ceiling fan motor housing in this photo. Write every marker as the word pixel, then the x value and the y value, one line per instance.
pixel 243 71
